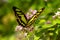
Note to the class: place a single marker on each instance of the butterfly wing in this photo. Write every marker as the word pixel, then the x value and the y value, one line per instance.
pixel 21 18
pixel 31 21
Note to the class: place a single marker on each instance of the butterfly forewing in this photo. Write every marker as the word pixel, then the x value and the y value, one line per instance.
pixel 21 18
pixel 31 21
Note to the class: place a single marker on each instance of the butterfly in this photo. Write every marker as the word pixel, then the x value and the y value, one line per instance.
pixel 22 19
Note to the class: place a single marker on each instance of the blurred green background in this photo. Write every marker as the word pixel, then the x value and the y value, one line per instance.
pixel 8 21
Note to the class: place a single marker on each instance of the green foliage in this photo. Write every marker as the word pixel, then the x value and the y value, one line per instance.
pixel 43 30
